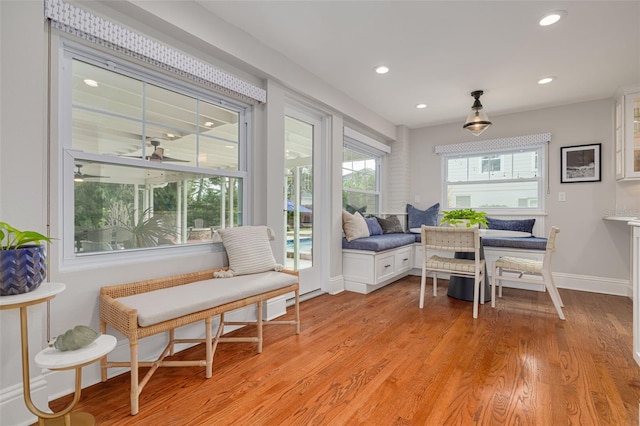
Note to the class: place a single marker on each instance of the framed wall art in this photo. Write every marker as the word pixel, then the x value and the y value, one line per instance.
pixel 580 163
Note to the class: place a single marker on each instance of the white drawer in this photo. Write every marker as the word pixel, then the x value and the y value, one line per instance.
pixel 385 267
pixel 404 262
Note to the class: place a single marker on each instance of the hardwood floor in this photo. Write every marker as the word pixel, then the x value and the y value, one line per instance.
pixel 378 359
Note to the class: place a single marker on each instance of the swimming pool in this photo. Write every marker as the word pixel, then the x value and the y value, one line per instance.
pixel 305 245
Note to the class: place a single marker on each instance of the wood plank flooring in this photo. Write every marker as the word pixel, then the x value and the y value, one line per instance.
pixel 378 359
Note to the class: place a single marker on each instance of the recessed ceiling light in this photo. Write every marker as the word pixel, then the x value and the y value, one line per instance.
pixel 546 80
pixel 171 135
pixel 209 123
pixel 381 69
pixel 91 83
pixel 421 106
pixel 552 17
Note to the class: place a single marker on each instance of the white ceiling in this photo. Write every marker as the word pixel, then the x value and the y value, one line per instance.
pixel 440 51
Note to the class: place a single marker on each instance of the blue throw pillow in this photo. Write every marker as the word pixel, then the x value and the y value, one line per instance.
pixel 418 217
pixel 521 225
pixel 373 225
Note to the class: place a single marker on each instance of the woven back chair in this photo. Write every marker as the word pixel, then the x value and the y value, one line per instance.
pixel 455 240
pixel 527 268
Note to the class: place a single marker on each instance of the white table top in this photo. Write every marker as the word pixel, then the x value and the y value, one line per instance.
pixel 53 359
pixel 45 291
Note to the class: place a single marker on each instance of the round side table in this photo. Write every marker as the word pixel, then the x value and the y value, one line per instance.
pixel 53 359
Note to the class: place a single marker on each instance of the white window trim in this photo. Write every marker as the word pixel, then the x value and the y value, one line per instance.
pixel 69 260
pixel 357 146
pixel 542 178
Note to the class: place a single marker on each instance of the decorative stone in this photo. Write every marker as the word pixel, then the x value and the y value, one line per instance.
pixel 75 338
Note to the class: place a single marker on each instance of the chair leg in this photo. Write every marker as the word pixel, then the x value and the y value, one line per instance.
pixel 500 283
pixel 553 284
pixel 494 278
pixel 422 286
pixel 546 276
pixel 476 290
pixel 435 284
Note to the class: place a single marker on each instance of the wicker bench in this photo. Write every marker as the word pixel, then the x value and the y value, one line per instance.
pixel 146 308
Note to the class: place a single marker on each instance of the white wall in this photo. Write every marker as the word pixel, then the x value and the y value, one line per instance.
pixel 588 247
pixel 24 170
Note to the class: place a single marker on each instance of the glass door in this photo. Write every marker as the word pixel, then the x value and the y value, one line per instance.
pixel 301 135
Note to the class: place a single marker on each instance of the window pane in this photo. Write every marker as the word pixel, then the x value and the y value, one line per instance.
pixel 171 109
pixel 120 207
pixel 107 91
pixel 218 154
pixel 106 134
pixel 218 121
pixel 172 147
pixel 362 202
pixel 358 171
pixel 494 195
pixel 525 165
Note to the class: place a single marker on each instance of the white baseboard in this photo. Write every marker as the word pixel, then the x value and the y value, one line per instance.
pixel 13 410
pixel 613 286
pixel 603 285
pixel 335 285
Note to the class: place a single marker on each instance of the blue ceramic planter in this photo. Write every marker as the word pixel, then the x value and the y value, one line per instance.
pixel 22 270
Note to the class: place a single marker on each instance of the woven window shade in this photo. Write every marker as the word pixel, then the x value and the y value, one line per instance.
pixel 82 24
pixel 503 144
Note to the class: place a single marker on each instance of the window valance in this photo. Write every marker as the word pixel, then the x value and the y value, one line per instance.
pixel 502 144
pixel 80 23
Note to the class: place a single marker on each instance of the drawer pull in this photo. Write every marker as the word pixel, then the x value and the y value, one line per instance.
pixel 405 259
pixel 387 266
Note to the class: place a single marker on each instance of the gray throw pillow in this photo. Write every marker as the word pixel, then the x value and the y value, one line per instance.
pixel 390 225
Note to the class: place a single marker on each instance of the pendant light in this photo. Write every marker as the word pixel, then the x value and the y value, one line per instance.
pixel 477 121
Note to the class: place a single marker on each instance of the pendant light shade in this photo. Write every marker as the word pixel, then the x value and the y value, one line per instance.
pixel 477 121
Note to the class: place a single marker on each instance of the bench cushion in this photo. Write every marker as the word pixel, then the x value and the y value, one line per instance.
pixel 529 243
pixel 174 302
pixel 379 242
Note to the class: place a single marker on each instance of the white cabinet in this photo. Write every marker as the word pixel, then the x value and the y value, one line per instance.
pixel 366 271
pixel 627 136
pixel 635 282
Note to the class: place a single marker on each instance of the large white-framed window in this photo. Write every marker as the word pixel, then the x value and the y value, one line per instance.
pixel 498 181
pixel 149 161
pixel 360 179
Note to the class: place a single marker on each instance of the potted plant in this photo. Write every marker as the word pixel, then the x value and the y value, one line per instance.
pixel 22 260
pixel 464 217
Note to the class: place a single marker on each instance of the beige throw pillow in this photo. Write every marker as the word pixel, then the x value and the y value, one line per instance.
pixel 354 226
pixel 248 249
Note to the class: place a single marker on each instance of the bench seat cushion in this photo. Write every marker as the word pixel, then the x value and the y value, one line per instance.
pixel 174 302
pixel 528 243
pixel 379 242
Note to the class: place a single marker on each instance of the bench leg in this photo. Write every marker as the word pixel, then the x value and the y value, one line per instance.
pixel 259 324
pixel 208 347
pixel 172 336
pixel 133 348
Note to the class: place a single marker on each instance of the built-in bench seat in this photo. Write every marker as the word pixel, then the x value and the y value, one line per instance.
pixel 379 242
pixel 375 261
pixel 525 243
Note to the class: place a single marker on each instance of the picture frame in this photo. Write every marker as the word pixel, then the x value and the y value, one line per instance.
pixel 581 163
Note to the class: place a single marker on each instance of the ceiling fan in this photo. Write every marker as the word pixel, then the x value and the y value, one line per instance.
pixel 78 176
pixel 158 154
